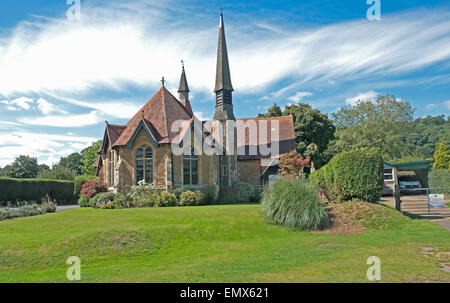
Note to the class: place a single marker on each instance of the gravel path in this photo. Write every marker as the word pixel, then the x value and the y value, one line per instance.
pixel 66 207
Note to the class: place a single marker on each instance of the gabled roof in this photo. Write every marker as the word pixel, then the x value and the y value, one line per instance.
pixel 158 115
pixel 284 125
pixel 112 133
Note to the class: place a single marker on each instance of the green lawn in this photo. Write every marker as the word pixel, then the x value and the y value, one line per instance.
pixel 229 243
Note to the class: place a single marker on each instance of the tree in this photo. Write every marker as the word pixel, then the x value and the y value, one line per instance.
pixel 72 162
pixel 89 156
pixel 293 164
pixel 379 124
pixel 22 167
pixel 442 156
pixel 313 132
pixel 57 173
pixel 274 111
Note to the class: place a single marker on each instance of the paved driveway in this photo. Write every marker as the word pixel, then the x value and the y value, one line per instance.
pixel 418 205
pixel 66 207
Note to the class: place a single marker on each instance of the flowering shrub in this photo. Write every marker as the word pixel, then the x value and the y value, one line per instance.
pixel 293 164
pixel 143 195
pixel 90 189
pixel 106 205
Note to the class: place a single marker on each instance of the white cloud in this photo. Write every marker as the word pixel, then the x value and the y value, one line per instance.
pixel 299 96
pixel 447 104
pixel 132 48
pixel 430 106
pixel 64 120
pixel 46 107
pixel 48 148
pixel 18 103
pixel 367 96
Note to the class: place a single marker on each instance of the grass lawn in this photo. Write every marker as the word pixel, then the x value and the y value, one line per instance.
pixel 229 243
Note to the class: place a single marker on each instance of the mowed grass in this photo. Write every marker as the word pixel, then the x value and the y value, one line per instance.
pixel 228 243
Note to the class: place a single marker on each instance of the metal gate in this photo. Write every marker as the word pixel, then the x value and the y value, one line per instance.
pixel 424 201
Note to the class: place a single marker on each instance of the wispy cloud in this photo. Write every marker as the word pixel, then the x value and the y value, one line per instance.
pixel 299 96
pixel 129 48
pixel 64 120
pixel 366 96
pixel 447 104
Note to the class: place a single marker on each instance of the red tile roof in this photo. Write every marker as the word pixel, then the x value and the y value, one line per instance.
pixel 158 114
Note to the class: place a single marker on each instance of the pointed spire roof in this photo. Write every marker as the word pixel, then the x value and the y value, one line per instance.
pixel 183 82
pixel 223 77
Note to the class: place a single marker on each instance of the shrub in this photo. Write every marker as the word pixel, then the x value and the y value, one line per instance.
pixel 351 175
pixel 200 198
pixel 79 181
pixel 105 197
pixel 294 204
pixel 188 198
pixel 143 195
pixel 166 199
pixel 35 190
pixel 83 201
pixel 106 205
pixel 245 191
pixel 210 194
pixel 90 189
pixel 26 210
pixel 121 201
pixel 93 200
pixel 177 191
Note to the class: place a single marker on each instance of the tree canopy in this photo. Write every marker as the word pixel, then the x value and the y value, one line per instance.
pixel 313 130
pixel 442 156
pixel 22 167
pixel 89 156
pixel 379 124
pixel 72 162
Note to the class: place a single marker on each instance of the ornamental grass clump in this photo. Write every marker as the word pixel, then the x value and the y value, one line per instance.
pixel 294 203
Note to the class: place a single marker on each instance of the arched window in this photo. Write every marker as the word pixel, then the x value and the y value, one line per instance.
pixel 190 169
pixel 144 164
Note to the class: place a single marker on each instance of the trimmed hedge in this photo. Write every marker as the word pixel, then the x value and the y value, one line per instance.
pixel 13 190
pixel 356 174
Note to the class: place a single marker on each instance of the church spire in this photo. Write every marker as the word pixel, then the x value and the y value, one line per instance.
pixel 223 88
pixel 183 82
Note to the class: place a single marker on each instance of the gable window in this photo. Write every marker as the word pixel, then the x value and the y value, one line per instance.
pixel 190 169
pixel 144 164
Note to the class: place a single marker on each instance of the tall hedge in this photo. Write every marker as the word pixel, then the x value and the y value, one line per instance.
pixel 356 174
pixel 35 189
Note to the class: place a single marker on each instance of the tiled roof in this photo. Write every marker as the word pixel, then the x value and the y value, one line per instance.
pixel 158 114
pixel 283 125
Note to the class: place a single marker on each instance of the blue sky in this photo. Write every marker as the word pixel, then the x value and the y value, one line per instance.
pixel 61 79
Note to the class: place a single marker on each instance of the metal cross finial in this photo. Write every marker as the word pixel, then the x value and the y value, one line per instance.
pixel 163 81
pixel 182 63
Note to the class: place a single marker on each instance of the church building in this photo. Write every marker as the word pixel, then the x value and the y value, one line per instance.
pixel 143 149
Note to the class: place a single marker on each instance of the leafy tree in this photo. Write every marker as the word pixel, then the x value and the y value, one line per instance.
pixel 57 173
pixel 274 111
pixel 22 167
pixel 425 135
pixel 313 132
pixel 442 156
pixel 89 156
pixel 380 124
pixel 72 162
pixel 43 168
